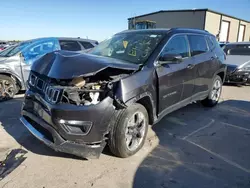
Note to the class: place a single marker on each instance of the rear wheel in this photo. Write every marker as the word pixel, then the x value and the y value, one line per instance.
pixel 129 132
pixel 214 94
pixel 8 88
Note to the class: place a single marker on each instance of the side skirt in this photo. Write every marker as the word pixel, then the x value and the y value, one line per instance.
pixel 185 102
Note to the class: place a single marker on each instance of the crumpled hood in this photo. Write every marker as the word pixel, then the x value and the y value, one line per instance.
pixel 68 65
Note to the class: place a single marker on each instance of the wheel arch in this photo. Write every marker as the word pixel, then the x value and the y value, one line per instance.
pixel 221 75
pixel 147 101
pixel 15 77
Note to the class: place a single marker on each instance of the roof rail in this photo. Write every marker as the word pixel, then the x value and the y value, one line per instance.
pixel 191 29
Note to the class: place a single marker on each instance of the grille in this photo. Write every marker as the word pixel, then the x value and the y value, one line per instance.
pixel 50 92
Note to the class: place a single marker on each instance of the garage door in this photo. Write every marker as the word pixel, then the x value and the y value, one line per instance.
pixel 241 33
pixel 224 31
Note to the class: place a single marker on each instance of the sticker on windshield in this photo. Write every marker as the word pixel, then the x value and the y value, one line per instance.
pixel 132 52
pixel 125 43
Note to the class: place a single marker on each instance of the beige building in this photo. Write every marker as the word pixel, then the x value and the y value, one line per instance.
pixel 227 28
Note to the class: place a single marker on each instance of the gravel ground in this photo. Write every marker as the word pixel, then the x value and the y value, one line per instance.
pixel 192 147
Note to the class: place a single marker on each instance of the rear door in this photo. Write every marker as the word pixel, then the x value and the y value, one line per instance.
pixel 203 62
pixel 173 76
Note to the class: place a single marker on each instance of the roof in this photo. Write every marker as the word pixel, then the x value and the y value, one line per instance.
pixel 188 10
pixel 158 31
pixel 165 31
pixel 60 38
pixel 78 39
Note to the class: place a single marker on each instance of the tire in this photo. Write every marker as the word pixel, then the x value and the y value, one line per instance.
pixel 8 88
pixel 212 100
pixel 122 131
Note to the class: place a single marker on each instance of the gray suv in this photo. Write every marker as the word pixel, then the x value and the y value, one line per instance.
pixel 15 61
pixel 79 102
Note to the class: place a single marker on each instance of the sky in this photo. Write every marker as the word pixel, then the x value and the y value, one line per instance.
pixel 95 19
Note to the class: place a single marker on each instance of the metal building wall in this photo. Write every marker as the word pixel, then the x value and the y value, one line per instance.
pixel 213 25
pixel 190 19
pixel 247 30
pixel 200 19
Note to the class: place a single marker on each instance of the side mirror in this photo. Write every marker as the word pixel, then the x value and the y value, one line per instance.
pixel 170 58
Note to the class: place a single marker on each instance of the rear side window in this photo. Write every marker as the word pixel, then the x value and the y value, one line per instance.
pixel 210 43
pixel 86 45
pixel 69 45
pixel 198 44
pixel 177 45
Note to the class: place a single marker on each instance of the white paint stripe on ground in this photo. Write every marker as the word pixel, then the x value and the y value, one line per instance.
pixel 220 157
pixel 201 128
pixel 176 120
pixel 235 126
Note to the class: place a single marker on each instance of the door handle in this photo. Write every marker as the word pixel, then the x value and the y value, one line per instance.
pixel 190 66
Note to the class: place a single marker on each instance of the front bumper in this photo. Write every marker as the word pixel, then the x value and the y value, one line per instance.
pixel 45 122
pixel 238 77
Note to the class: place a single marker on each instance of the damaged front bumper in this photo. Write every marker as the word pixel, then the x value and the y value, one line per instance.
pixel 78 130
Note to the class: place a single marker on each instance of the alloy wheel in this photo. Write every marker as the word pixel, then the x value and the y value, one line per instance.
pixel 216 91
pixel 7 89
pixel 135 130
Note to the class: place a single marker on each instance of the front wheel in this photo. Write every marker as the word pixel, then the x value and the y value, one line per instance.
pixel 129 132
pixel 8 88
pixel 214 94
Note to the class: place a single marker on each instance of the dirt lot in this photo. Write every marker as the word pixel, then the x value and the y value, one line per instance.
pixel 193 147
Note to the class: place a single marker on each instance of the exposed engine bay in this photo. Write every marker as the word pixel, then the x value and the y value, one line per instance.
pixel 93 89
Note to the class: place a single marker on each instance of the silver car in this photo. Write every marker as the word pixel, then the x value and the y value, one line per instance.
pixel 16 61
pixel 238 62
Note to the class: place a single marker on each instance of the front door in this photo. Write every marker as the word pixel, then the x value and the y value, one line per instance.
pixel 175 78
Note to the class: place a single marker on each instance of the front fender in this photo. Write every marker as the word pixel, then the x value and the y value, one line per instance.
pixel 137 86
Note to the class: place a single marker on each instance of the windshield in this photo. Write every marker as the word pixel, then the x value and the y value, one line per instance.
pixel 241 49
pixel 13 50
pixel 131 47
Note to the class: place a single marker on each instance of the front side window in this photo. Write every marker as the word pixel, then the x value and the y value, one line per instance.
pixel 70 45
pixel 198 44
pixel 177 45
pixel 132 47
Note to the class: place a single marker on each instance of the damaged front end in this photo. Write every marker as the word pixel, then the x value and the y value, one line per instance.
pixel 73 114
pixel 83 91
